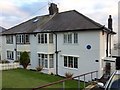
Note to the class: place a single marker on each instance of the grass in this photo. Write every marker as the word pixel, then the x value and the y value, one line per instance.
pixel 20 78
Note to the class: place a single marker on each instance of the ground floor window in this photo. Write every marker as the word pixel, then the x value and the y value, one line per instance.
pixel 46 60
pixel 71 62
pixel 10 55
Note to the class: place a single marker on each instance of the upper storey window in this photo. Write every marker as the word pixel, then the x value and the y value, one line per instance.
pixel 9 39
pixel 45 38
pixel 23 39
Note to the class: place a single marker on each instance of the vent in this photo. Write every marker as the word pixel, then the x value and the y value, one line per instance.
pixel 35 20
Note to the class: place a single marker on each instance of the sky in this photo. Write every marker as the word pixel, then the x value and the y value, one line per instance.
pixel 14 12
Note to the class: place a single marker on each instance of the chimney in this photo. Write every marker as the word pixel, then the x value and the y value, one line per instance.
pixel 53 9
pixel 110 22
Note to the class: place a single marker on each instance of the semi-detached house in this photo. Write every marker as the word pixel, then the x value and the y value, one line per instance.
pixel 61 42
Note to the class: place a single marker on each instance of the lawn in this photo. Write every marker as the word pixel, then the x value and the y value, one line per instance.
pixel 20 78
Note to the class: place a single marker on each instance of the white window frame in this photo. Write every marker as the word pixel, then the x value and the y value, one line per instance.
pixel 75 38
pixel 23 39
pixel 42 38
pixel 70 38
pixel 45 60
pixel 70 62
pixel 51 61
pixel 9 39
pixel 10 55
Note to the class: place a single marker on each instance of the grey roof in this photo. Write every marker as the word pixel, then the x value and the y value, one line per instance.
pixel 61 22
pixel 2 30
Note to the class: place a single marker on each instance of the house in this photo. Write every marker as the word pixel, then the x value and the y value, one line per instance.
pixel 61 42
pixel 1 30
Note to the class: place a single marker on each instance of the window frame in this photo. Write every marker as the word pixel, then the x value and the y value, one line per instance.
pixel 23 39
pixel 44 60
pixel 10 55
pixel 9 39
pixel 69 62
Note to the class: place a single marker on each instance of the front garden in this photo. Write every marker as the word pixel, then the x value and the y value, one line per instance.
pixel 22 78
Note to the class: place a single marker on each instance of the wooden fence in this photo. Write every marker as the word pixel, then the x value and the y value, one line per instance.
pixel 7 66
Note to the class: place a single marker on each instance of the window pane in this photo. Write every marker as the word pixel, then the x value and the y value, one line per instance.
pixel 45 38
pixel 38 38
pixel 51 61
pixel 50 38
pixel 27 38
pixel 65 38
pixel 70 38
pixel 65 61
pixel 75 62
pixel 42 38
pixel 75 38
pixel 70 62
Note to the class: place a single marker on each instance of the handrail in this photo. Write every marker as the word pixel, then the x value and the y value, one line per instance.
pixel 63 80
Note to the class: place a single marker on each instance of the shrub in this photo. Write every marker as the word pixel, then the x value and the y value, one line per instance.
pixel 24 59
pixel 16 61
pixel 68 75
pixel 39 68
pixel 4 61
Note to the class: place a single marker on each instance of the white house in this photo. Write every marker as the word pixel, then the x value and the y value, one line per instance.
pixel 61 42
pixel 1 30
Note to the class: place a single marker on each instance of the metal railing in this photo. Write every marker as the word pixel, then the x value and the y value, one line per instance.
pixel 76 77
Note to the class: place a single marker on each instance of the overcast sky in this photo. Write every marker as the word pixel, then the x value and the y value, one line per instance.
pixel 14 12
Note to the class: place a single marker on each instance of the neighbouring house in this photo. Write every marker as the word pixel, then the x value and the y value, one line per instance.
pixel 62 42
pixel 1 30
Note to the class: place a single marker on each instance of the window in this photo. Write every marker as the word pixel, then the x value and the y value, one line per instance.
pixel 51 58
pixel 23 39
pixel 27 38
pixel 9 39
pixel 10 55
pixel 71 62
pixel 42 38
pixel 43 60
pixel 70 38
pixel 65 61
pixel 65 38
pixel 75 38
pixel 18 55
pixel 50 38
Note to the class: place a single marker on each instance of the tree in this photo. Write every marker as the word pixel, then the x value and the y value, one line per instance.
pixel 24 59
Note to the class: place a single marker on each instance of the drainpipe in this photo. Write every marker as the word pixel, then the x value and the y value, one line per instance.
pixel 107 45
pixel 16 46
pixel 56 51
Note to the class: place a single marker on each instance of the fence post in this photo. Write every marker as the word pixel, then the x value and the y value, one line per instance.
pixel 79 83
pixel 91 76
pixel 84 81
pixel 63 85
pixel 96 74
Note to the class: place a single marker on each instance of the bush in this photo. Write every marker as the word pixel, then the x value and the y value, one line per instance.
pixel 39 68
pixel 68 75
pixel 24 59
pixel 4 61
pixel 16 61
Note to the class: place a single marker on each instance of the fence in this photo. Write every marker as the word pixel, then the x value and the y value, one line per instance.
pixel 7 66
pixel 76 77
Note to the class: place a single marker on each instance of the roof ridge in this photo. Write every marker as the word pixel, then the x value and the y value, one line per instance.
pixel 92 21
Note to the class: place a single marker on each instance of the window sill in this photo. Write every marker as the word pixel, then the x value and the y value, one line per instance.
pixel 71 68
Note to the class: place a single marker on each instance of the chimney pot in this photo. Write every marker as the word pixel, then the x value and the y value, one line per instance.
pixel 110 22
pixel 53 9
